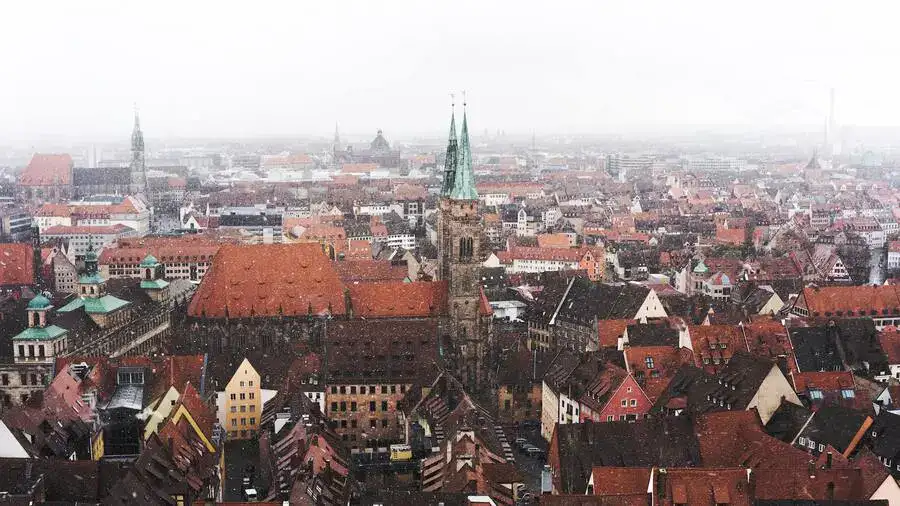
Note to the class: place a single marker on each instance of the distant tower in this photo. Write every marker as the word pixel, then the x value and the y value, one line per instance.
pixel 834 142
pixel 138 162
pixel 336 145
pixel 459 238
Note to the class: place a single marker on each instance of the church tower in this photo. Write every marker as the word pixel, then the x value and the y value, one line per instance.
pixel 138 165
pixel 459 239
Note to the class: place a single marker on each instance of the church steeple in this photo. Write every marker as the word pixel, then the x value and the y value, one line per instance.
pixel 452 158
pixel 337 139
pixel 138 168
pixel 464 180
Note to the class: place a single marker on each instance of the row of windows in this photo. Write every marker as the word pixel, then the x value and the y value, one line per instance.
pixel 370 389
pixel 244 408
pixel 373 423
pixel 243 396
pixel 41 351
pixel 234 421
pixel 35 379
pixel 846 393
pixel 353 406
pixel 627 402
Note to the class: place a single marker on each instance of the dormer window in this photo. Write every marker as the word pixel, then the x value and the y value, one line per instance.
pixel 816 394
pixel 848 393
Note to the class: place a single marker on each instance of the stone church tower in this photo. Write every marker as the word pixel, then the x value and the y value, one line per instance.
pixel 459 239
pixel 138 162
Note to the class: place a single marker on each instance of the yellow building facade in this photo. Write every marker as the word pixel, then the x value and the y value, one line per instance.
pixel 243 402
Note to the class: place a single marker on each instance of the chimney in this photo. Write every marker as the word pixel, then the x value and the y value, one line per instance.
pixel 828 460
pixel 811 467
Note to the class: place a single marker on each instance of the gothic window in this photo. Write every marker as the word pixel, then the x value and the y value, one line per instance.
pixel 465 248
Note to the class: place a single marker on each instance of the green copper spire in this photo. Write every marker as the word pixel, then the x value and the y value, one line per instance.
pixel 464 180
pixel 452 159
pixel 90 258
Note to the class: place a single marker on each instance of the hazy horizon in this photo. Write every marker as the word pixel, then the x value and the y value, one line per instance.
pixel 276 69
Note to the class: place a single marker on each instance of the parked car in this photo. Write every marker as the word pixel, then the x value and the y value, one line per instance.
pixel 534 452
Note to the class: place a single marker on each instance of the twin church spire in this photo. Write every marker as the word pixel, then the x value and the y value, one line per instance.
pixel 459 175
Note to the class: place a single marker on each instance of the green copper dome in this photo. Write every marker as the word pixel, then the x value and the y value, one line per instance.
pixel 149 261
pixel 39 302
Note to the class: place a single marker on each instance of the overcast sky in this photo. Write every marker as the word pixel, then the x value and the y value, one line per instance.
pixel 295 67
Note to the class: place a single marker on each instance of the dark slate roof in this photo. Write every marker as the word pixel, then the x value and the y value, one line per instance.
pixel 815 349
pixel 642 334
pixel 358 228
pixel 86 176
pixel 860 343
pixel 733 388
pixel 544 306
pixel 581 300
pixel 560 368
pixel 787 421
pixel 658 441
pixel 885 435
pixel 623 299
pixel 250 220
pixel 835 426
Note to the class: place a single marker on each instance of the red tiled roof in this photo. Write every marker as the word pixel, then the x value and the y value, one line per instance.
pixel 392 299
pixel 832 299
pixel 173 252
pixel 768 338
pixel 359 249
pixel 889 337
pixel 348 168
pixel 731 438
pixel 409 192
pixel 485 304
pixel 47 170
pixel 732 236
pixel 617 481
pixel 16 264
pixel 176 371
pixel 351 270
pixel 59 210
pixel 708 342
pixel 118 228
pixel 828 380
pixel 796 483
pixel 269 280
pixel 610 331
pixel 539 253
pixel 894 246
pixel 553 241
pixel 666 362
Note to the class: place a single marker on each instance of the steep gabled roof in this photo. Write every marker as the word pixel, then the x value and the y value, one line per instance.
pixel 396 299
pixel 47 170
pixel 269 280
